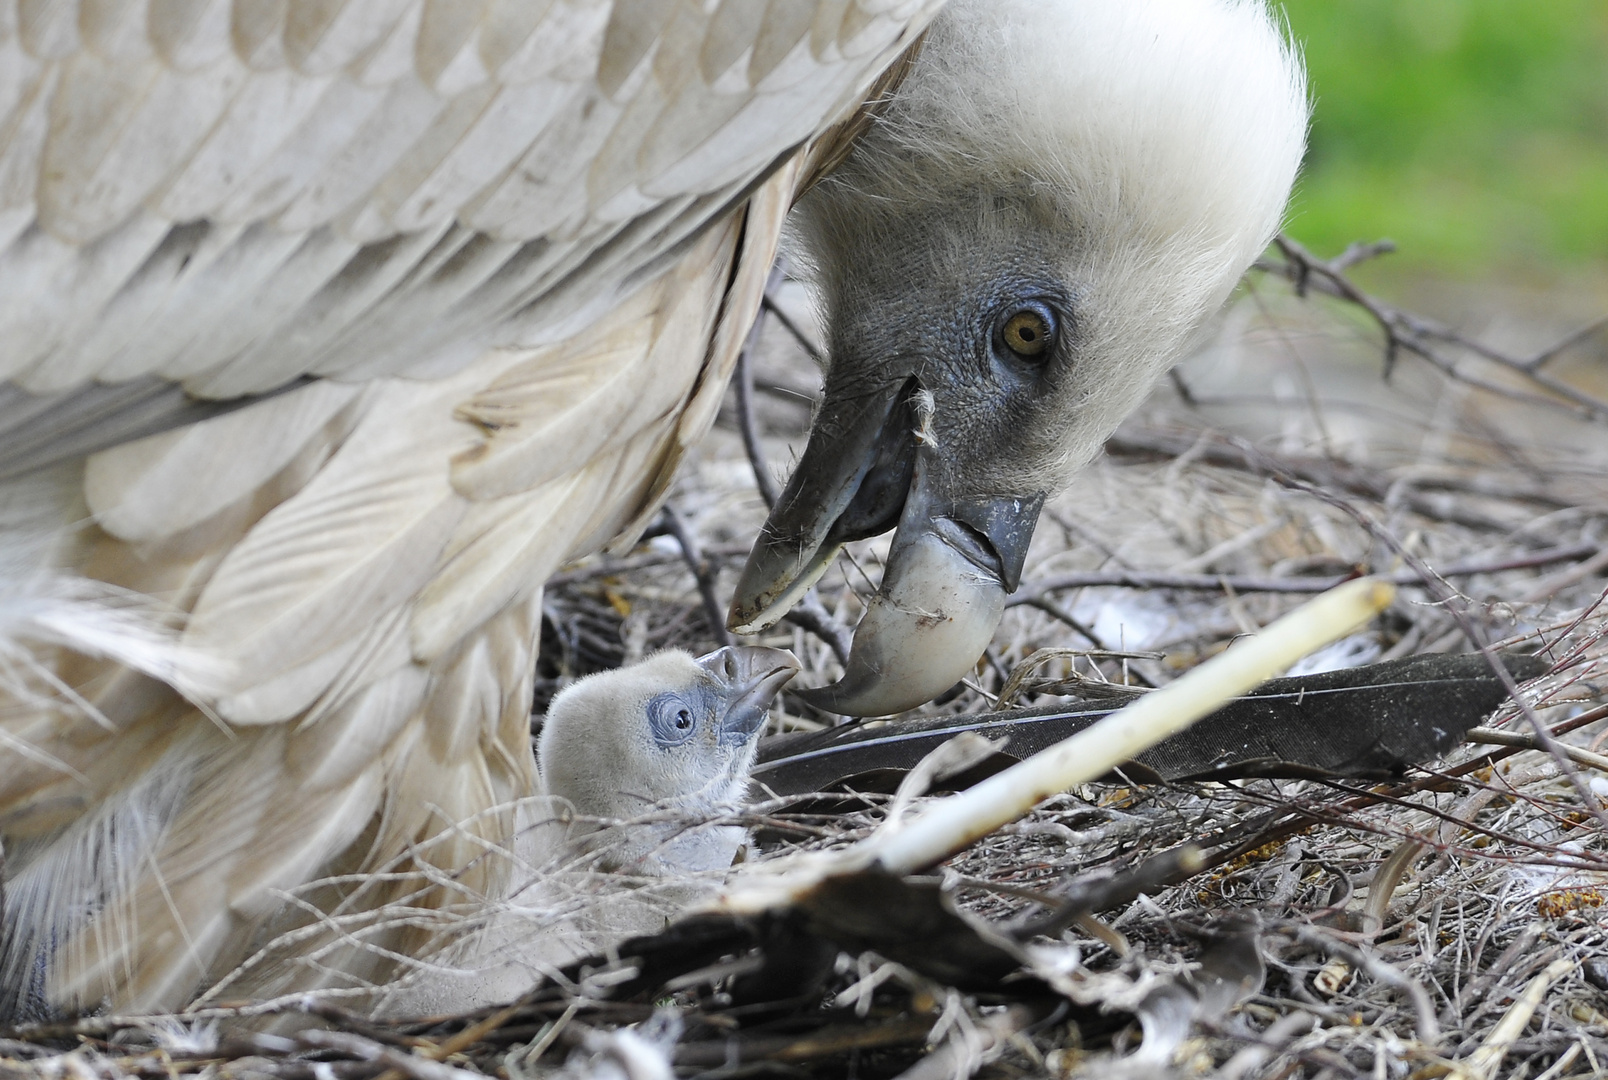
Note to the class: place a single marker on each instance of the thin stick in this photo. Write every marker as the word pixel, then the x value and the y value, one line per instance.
pixel 1406 332
pixel 803 339
pixel 1487 1057
pixel 713 611
pixel 763 480
pixel 810 614
pixel 1455 606
pixel 1281 825
pixel 1032 593
pixel 1495 737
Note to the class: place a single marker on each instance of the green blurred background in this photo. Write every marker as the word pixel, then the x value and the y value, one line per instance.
pixel 1474 133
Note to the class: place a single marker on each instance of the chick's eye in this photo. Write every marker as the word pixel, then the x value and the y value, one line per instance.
pixel 672 717
pixel 1028 333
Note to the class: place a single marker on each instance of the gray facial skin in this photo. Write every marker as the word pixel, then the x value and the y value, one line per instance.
pixel 1035 225
pixel 928 423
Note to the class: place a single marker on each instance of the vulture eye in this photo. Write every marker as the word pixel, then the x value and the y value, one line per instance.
pixel 1029 333
pixel 672 718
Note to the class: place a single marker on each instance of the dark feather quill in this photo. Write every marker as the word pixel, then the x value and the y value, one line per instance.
pixel 1369 721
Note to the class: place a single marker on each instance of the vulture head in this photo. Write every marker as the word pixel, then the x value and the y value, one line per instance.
pixel 1032 229
pixel 671 732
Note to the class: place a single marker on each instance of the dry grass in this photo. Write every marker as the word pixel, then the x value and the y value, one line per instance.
pixel 1452 923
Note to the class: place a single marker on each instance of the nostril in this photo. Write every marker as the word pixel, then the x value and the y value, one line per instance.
pixel 971 542
pixel 731 666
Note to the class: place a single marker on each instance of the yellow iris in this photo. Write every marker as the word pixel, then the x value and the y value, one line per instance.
pixel 1027 333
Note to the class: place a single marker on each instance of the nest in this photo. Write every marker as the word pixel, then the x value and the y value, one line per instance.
pixel 1449 922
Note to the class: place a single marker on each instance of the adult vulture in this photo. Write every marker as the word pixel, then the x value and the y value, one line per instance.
pixel 329 328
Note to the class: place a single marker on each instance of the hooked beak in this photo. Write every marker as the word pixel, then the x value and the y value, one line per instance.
pixel 952 563
pixel 748 678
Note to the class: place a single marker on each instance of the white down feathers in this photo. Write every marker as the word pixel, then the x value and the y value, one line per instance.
pixel 624 837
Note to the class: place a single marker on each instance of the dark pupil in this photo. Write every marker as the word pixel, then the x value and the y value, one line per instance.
pixel 683 719
pixel 1026 333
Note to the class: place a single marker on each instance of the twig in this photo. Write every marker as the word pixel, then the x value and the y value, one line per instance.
pixel 769 304
pixel 1406 332
pixel 1487 1057
pixel 745 397
pixel 1281 825
pixel 1055 611
pixel 1494 737
pixel 714 612
pixel 1100 891
pixel 810 614
pixel 1428 1026
pixel 1454 606
pixel 409 1065
pixel 1032 592
pixel 1336 473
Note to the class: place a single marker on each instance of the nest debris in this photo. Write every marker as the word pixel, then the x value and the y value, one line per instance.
pixel 1449 923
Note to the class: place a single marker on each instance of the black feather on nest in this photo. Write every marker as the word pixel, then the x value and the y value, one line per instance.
pixel 1366 722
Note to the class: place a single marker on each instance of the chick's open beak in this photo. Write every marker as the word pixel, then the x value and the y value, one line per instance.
pixel 747 678
pixel 954 559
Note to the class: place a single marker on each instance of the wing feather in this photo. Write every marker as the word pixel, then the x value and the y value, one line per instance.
pixel 513 119
pixel 48 29
pixel 447 30
pixel 732 32
pixel 363 536
pixel 323 36
pixel 244 160
pixel 50 283
pixel 489 247
pixel 404 115
pixel 329 753
pixel 190 34
pixel 227 267
pixel 524 40
pixel 784 27
pixel 559 408
pixel 572 132
pixel 633 30
pixel 316 259
pixel 146 490
pixel 106 115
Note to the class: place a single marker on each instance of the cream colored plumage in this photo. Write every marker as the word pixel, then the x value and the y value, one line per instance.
pixel 489 263
pixel 483 253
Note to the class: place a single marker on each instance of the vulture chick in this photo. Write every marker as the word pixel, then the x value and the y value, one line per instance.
pixel 672 740
pixel 671 732
pixel 1027 235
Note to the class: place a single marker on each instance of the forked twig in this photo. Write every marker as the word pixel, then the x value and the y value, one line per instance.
pixel 1428 339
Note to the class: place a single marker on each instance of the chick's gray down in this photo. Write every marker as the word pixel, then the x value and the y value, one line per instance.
pixel 672 734
pixel 636 765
